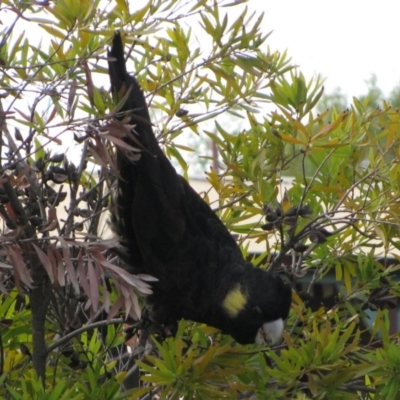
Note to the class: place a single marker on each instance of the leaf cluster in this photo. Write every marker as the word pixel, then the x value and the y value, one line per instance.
pixel 315 193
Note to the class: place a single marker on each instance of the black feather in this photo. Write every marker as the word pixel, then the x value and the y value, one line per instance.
pixel 168 231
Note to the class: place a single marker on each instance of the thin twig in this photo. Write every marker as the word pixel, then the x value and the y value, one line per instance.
pixel 77 332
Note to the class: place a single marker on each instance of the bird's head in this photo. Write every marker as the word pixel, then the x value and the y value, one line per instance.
pixel 256 308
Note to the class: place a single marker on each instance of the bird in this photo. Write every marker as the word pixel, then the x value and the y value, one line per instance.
pixel 168 231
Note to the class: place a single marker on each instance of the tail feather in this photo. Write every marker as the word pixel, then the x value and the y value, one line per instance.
pixel 149 192
pixel 126 86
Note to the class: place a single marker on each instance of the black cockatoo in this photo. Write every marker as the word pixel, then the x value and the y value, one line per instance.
pixel 168 231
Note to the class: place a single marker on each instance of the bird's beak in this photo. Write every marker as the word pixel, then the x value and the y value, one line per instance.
pixel 270 333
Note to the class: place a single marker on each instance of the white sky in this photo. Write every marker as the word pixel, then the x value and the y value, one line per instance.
pixel 344 40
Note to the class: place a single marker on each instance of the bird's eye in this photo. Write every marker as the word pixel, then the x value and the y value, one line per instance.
pixel 257 310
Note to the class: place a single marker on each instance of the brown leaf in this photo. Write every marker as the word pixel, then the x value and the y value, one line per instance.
pixel 135 304
pixel 69 266
pixel 71 95
pixel 52 114
pixel 128 304
pixel 101 154
pixel 117 131
pixel 50 226
pixel 4 265
pixel 21 272
pixel 45 262
pixel 53 262
pixel 147 278
pixel 131 279
pixel 94 286
pixel 106 296
pixel 83 275
pixel 115 308
pixel 27 117
pixel 52 215
pixel 60 268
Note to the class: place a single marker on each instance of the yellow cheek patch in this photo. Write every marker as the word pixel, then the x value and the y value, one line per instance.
pixel 234 301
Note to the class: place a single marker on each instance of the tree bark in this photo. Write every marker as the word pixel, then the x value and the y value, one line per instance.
pixel 39 300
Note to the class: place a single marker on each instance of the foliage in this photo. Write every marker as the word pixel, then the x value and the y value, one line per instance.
pixel 205 71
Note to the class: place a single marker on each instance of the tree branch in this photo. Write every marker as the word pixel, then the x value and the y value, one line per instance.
pixel 85 328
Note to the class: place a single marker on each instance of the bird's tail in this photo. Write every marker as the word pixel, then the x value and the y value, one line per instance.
pixel 149 188
pixel 129 96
